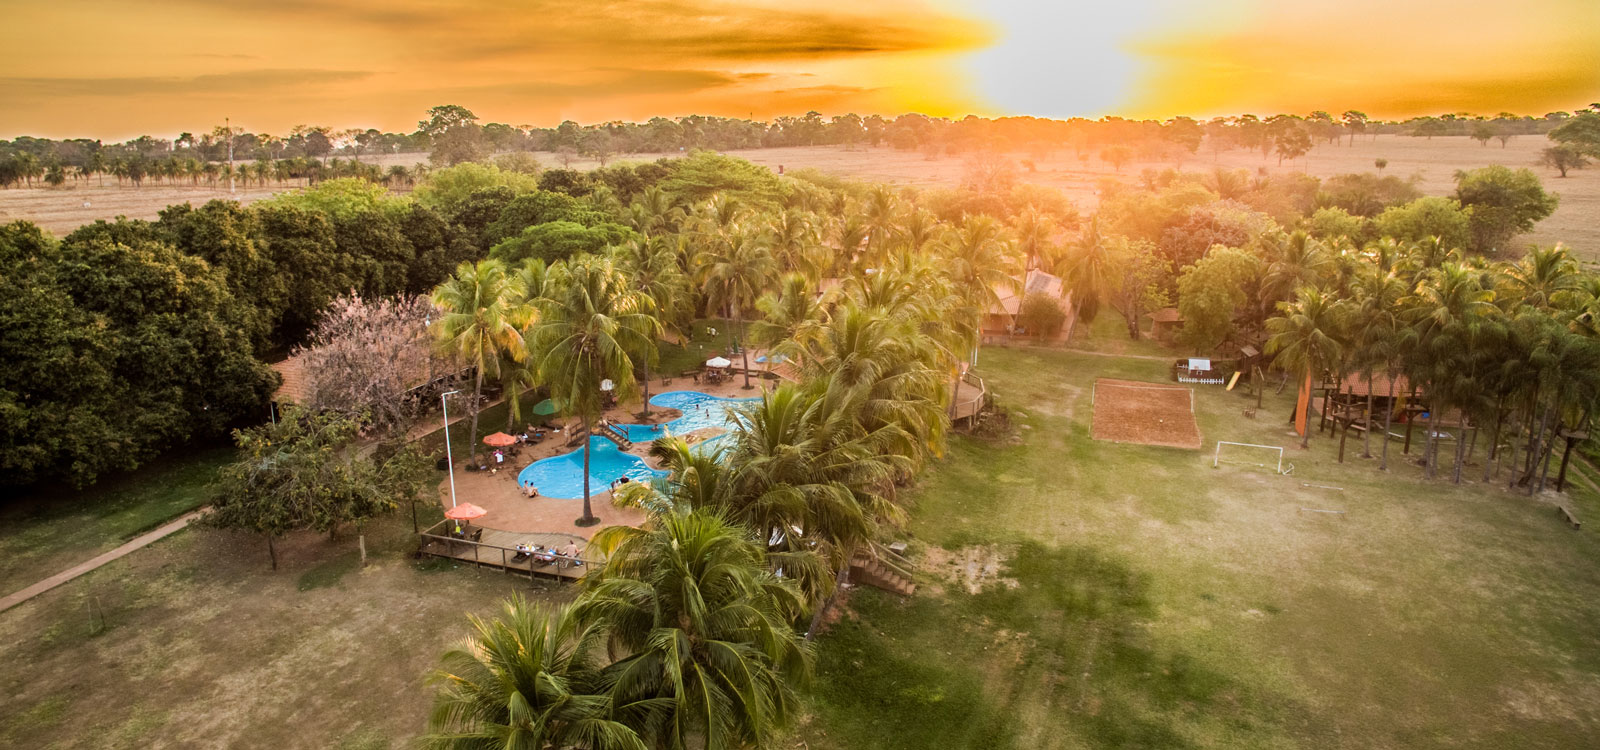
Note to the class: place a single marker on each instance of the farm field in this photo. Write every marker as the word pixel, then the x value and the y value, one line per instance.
pixel 1087 594
pixel 1433 161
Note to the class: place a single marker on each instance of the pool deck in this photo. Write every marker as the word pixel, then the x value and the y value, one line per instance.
pixel 510 510
pixel 496 548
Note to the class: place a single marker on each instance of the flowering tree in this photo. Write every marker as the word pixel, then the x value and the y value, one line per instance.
pixel 369 355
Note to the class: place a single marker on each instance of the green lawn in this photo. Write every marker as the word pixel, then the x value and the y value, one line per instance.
pixel 1108 334
pixel 51 527
pixel 1078 594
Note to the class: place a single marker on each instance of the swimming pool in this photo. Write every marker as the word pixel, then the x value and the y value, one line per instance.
pixel 561 476
pixel 700 410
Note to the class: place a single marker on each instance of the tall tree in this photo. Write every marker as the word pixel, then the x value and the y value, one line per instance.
pixel 1305 340
pixel 482 323
pixel 530 678
pixel 591 322
pixel 734 271
pixel 704 629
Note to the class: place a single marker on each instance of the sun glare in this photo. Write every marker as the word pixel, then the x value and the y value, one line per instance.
pixel 1061 59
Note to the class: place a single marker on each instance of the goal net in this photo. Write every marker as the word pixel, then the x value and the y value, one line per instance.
pixel 1250 454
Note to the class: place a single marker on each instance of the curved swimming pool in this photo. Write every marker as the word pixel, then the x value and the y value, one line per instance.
pixel 561 477
pixel 700 410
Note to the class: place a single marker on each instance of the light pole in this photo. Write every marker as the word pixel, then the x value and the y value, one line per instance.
pixel 447 457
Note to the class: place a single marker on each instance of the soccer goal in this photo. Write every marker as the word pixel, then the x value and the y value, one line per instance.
pixel 1250 454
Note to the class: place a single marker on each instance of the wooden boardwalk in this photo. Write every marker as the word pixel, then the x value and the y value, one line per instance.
pixel 498 549
pixel 970 397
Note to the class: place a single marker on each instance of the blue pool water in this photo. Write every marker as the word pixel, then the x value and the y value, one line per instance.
pixel 562 476
pixel 699 411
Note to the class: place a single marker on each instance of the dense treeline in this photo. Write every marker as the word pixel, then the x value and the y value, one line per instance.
pixel 284 260
pixel 453 135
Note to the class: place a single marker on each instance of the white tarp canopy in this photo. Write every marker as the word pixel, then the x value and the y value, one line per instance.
pixel 718 362
pixel 1195 363
pixel 606 385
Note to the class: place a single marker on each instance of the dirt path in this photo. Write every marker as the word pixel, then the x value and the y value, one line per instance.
pixel 140 542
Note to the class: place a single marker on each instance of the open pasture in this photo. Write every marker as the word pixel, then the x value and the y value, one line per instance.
pixel 1432 161
pixel 1085 594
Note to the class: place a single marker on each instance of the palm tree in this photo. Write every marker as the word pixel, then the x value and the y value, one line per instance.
pixel 1448 312
pixel 813 481
pixel 793 316
pixel 531 678
pixel 1091 268
pixel 880 217
pixel 1376 339
pixel 1543 278
pixel 703 630
pixel 1034 230
pixel 482 322
pixel 590 322
pixel 1305 340
pixel 1296 260
pixel 652 269
pixel 888 361
pixel 981 260
pixel 733 273
pixel 793 239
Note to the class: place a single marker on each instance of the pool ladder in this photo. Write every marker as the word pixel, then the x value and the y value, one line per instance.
pixel 613 433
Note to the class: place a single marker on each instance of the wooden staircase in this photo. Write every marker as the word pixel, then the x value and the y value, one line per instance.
pixel 879 572
pixel 614 433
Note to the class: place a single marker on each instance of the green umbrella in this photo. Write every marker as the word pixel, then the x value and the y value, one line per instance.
pixel 545 408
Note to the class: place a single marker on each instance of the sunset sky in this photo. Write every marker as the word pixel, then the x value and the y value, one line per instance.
pixel 115 69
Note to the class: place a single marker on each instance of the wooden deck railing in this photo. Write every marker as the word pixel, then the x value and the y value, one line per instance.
pixel 968 408
pixel 497 548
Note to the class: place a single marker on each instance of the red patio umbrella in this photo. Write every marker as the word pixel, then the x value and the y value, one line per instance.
pixel 499 440
pixel 465 512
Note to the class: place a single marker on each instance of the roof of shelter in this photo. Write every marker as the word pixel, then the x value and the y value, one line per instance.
pixel 1009 302
pixel 1165 315
pixel 1356 383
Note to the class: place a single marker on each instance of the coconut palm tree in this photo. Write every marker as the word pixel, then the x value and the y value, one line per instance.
pixel 1448 313
pixel 651 266
pixel 813 481
pixel 1295 260
pixel 483 316
pixel 1091 266
pixel 981 260
pixel 793 238
pixel 733 273
pixel 702 629
pixel 1306 339
pixel 590 322
pixel 1543 278
pixel 1035 231
pixel 1375 339
pixel 793 314
pixel 530 678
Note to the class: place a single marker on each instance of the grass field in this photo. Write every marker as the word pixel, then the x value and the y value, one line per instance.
pixel 1433 161
pixel 195 642
pixel 50 528
pixel 1079 594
